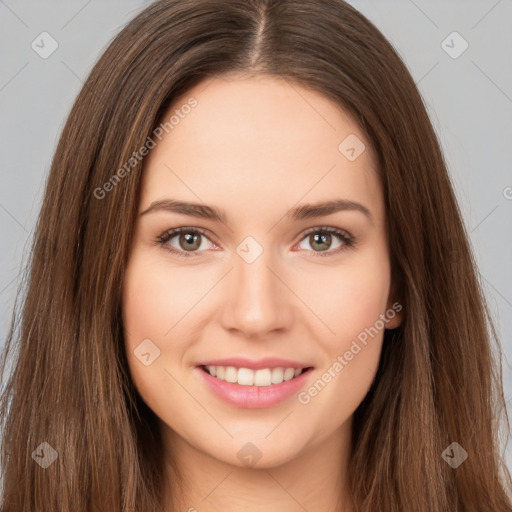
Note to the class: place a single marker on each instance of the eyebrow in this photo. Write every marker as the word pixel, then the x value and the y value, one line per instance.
pixel 305 211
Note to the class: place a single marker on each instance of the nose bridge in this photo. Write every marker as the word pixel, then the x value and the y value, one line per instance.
pixel 257 298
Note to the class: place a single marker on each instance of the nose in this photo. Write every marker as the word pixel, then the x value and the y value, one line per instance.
pixel 257 300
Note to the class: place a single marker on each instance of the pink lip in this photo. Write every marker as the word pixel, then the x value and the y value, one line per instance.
pixel 253 397
pixel 267 362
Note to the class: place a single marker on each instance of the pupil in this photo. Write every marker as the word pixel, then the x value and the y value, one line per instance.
pixel 189 237
pixel 325 239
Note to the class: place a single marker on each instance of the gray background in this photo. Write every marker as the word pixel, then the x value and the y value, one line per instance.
pixel 469 99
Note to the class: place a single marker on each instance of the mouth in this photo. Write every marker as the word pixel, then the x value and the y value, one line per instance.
pixel 253 388
pixel 249 377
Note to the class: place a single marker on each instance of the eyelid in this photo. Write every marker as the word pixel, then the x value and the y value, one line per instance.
pixel 325 229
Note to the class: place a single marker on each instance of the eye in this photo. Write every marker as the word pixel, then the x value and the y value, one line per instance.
pixel 321 238
pixel 189 240
pixel 194 240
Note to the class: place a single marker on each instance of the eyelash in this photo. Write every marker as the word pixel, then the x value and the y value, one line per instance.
pixel 348 240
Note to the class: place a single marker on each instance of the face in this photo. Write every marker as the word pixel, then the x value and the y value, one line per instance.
pixel 271 302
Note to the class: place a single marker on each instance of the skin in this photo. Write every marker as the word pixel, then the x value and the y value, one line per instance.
pixel 257 147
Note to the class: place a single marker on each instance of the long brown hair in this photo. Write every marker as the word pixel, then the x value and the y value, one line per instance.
pixel 438 380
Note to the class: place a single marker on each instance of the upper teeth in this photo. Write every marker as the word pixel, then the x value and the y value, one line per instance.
pixel 248 377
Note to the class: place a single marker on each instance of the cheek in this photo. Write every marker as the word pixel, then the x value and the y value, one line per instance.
pixel 350 305
pixel 162 303
pixel 154 301
pixel 157 299
pixel 145 305
pixel 346 299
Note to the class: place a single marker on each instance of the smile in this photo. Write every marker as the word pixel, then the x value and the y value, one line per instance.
pixel 249 377
pixel 253 388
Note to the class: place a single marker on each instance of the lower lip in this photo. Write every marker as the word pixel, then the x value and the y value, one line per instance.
pixel 253 397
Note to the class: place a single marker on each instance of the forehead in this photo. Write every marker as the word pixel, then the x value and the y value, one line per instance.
pixel 253 143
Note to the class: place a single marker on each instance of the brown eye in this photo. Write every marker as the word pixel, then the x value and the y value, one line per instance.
pixel 320 241
pixel 189 241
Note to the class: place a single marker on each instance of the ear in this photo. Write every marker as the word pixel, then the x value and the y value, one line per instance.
pixel 394 311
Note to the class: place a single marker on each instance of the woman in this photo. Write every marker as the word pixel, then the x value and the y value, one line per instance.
pixel 250 283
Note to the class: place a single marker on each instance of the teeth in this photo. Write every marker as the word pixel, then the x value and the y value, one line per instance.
pixel 231 374
pixel 220 372
pixel 262 377
pixel 277 375
pixel 248 377
pixel 289 373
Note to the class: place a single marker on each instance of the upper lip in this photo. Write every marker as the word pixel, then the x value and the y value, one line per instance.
pixel 266 362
